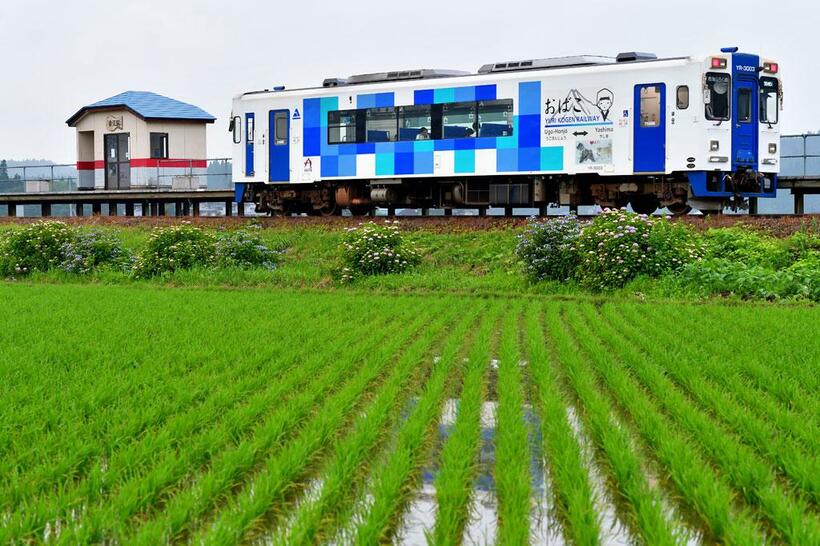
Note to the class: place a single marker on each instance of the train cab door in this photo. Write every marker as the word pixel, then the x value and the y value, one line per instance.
pixel 250 142
pixel 649 128
pixel 744 124
pixel 279 143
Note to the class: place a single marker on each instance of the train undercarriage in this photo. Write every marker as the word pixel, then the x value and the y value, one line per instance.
pixel 645 194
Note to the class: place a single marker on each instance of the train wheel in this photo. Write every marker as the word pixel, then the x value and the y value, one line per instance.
pixel 327 210
pixel 644 204
pixel 679 209
pixel 361 210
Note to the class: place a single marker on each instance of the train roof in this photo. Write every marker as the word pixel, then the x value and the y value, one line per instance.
pixel 579 62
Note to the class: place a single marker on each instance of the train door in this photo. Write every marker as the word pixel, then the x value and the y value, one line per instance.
pixel 250 137
pixel 649 133
pixel 744 124
pixel 117 162
pixel 279 145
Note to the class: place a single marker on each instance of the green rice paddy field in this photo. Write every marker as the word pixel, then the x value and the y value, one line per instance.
pixel 149 415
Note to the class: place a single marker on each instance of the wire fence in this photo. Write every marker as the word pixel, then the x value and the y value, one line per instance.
pixel 171 174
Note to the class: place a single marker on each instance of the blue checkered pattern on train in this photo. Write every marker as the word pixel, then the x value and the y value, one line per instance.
pixel 520 152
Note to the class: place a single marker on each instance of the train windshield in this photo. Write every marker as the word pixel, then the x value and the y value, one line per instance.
pixel 717 96
pixel 769 100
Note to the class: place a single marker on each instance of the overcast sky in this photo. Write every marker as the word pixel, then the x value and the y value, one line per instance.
pixel 60 55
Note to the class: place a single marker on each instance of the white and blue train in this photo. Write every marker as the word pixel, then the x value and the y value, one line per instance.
pixel 678 132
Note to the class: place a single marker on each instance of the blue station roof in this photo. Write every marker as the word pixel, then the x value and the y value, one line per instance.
pixel 149 106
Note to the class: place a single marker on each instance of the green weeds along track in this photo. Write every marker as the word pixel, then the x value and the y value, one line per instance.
pixel 144 415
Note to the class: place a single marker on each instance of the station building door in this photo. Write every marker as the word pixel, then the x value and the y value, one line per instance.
pixel 117 162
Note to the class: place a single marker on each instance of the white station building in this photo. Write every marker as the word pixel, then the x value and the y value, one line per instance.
pixel 139 139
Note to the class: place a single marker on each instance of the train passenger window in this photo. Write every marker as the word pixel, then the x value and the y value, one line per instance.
pixel 250 130
pixel 716 97
pixel 744 105
pixel 236 129
pixel 341 126
pixel 769 100
pixel 280 130
pixel 683 97
pixel 650 106
pixel 415 122
pixel 459 120
pixel 495 118
pixel 381 125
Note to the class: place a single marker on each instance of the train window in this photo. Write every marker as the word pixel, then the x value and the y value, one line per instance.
pixel 769 100
pixel 341 126
pixel 683 97
pixel 236 129
pixel 744 105
pixel 459 120
pixel 495 118
pixel 280 122
pixel 716 97
pixel 250 130
pixel 381 125
pixel 650 106
pixel 415 122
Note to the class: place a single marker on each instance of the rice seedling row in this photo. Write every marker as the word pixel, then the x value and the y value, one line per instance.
pixel 793 461
pixel 642 504
pixel 396 477
pixel 740 467
pixel 333 417
pixel 270 487
pixel 759 347
pixel 180 513
pixel 571 490
pixel 705 493
pixel 459 456
pixel 141 491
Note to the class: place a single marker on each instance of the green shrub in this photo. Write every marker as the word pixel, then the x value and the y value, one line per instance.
pixel 672 245
pixel 803 245
pixel 177 247
pixel 35 247
pixel 244 248
pixel 376 249
pixel 725 277
pixel 91 250
pixel 549 249
pixel 737 244
pixel 614 249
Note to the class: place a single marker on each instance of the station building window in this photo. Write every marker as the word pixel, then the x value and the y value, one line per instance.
pixel 159 145
pixel 718 102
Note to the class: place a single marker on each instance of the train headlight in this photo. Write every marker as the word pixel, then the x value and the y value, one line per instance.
pixel 714 145
pixel 771 68
pixel 770 161
pixel 772 148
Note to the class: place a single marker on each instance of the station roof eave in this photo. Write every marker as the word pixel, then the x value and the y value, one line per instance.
pixel 147 106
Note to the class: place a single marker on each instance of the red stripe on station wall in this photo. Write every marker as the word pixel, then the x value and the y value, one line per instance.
pixel 90 165
pixel 171 163
pixel 161 163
